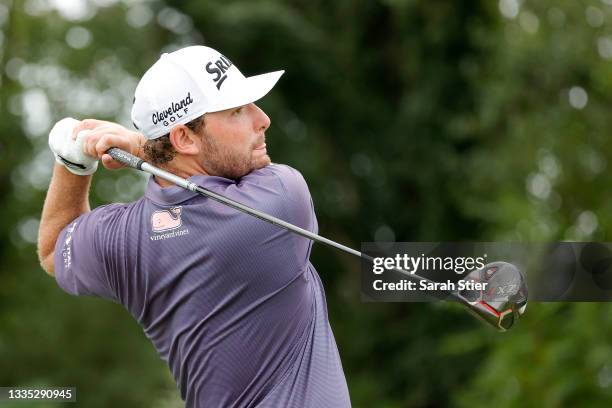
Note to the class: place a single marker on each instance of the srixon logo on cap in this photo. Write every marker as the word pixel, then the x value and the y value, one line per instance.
pixel 218 69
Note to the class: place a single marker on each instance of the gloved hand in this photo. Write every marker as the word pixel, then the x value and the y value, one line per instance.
pixel 69 152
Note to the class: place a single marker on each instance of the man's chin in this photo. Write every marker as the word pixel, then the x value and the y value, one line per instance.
pixel 261 162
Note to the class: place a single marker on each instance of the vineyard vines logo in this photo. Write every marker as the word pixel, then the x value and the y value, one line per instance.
pixel 164 222
pixel 175 111
pixel 166 219
pixel 218 69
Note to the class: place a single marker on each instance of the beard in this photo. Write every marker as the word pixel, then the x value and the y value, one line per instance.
pixel 231 163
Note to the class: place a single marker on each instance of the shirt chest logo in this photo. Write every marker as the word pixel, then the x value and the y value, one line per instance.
pixel 166 220
pixel 167 223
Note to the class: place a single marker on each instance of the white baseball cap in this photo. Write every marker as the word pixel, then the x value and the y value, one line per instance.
pixel 190 82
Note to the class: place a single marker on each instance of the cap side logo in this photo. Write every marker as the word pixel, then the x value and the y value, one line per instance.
pixel 218 69
pixel 175 111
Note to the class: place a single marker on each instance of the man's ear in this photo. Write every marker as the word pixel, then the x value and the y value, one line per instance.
pixel 184 140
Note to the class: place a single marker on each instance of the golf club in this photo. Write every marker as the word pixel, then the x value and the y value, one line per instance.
pixel 500 306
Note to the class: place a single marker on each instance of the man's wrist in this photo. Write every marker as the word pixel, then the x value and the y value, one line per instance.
pixel 66 174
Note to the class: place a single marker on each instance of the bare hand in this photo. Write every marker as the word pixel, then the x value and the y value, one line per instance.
pixel 104 135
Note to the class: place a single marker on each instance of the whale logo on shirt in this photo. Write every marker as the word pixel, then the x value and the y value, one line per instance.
pixel 166 220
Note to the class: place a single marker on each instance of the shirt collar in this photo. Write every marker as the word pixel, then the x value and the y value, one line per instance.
pixel 174 194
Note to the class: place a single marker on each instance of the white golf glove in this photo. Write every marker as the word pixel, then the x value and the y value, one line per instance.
pixel 68 152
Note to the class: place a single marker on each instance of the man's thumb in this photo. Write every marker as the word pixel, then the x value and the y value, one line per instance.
pixel 109 163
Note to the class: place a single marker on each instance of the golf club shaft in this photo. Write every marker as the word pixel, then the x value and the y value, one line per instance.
pixel 139 164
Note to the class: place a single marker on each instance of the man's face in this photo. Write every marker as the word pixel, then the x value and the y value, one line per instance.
pixel 233 141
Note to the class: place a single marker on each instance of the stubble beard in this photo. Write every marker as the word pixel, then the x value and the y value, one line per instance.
pixel 229 163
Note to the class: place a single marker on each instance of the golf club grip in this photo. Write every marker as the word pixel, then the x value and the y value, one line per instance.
pixel 126 158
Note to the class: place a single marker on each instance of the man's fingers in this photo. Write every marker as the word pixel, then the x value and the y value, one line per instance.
pixel 110 163
pixel 103 144
pixel 89 147
pixel 111 140
pixel 103 135
pixel 87 124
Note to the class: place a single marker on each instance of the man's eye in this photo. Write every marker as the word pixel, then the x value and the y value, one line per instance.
pixel 237 111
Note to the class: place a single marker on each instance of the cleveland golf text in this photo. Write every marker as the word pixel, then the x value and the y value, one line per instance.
pixel 447 286
pixel 175 111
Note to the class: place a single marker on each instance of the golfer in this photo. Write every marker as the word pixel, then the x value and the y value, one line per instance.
pixel 230 302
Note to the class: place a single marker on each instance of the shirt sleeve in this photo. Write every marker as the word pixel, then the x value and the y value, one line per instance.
pixel 79 254
pixel 300 206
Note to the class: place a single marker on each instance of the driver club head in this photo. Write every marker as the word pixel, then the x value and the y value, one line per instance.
pixel 504 298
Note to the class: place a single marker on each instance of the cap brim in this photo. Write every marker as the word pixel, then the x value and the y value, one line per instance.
pixel 247 91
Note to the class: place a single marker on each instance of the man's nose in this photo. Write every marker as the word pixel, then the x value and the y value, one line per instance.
pixel 262 121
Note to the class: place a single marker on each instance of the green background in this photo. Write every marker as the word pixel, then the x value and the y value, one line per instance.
pixel 437 120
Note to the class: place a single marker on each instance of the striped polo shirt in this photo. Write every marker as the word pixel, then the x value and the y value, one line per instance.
pixel 230 302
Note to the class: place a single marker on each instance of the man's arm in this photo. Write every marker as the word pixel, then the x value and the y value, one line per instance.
pixel 68 194
pixel 67 198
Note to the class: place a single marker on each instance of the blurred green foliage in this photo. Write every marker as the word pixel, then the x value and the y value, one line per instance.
pixel 411 120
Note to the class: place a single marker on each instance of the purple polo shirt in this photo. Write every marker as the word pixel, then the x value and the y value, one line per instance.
pixel 230 302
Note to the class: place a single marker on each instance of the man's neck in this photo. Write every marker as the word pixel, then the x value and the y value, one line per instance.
pixel 181 169
pixel 163 183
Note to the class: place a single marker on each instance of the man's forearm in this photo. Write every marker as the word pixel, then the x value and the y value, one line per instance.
pixel 67 198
